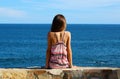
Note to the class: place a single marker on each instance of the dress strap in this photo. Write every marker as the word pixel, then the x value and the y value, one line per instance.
pixel 60 36
pixel 63 37
pixel 56 36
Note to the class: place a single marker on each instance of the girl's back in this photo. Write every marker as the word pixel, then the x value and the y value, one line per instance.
pixel 58 55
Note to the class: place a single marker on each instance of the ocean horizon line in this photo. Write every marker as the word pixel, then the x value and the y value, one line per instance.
pixel 51 23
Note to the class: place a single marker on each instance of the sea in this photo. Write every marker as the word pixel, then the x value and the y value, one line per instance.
pixel 93 45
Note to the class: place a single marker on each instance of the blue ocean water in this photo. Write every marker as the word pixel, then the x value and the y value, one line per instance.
pixel 24 45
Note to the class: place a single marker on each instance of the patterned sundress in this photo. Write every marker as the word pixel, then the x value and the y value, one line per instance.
pixel 58 57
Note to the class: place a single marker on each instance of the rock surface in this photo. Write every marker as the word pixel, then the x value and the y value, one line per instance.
pixel 72 73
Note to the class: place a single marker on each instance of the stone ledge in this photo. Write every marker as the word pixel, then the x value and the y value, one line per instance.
pixel 72 73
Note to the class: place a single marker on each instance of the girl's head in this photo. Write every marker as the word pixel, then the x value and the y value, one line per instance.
pixel 58 24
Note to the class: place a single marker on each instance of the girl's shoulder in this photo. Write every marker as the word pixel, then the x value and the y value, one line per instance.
pixel 58 32
pixel 67 32
pixel 52 33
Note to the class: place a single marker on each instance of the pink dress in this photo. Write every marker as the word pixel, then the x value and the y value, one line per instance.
pixel 58 58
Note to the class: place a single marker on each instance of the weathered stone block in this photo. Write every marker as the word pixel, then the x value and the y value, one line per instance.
pixel 92 74
pixel 73 74
pixel 56 73
pixel 37 74
pixel 118 73
pixel 14 74
pixel 1 75
pixel 109 74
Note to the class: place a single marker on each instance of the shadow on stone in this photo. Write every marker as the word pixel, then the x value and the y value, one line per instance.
pixel 109 74
pixel 75 74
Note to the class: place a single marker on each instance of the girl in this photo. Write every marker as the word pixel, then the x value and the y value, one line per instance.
pixel 59 53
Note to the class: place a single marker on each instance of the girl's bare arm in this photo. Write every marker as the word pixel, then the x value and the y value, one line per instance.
pixel 69 50
pixel 48 51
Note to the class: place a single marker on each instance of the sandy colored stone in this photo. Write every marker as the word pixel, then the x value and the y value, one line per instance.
pixel 55 71
pixel 14 74
pixel 36 74
pixel 1 75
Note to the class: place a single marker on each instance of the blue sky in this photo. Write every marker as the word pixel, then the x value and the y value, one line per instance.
pixel 75 11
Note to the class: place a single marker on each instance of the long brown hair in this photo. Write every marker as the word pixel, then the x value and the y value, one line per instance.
pixel 59 23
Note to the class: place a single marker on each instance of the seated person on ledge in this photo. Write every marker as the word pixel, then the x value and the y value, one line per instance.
pixel 59 53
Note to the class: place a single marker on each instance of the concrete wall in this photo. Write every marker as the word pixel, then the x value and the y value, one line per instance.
pixel 73 73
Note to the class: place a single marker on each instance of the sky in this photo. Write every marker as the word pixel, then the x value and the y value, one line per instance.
pixel 75 11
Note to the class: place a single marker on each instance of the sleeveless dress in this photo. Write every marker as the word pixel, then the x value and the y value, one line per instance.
pixel 58 57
